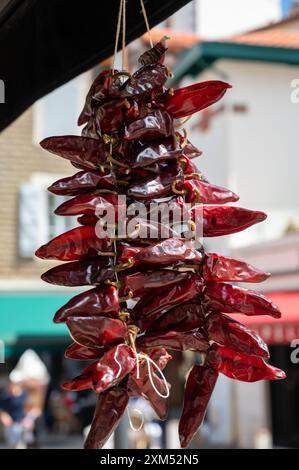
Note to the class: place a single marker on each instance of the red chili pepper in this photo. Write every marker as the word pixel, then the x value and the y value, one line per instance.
pixel 90 203
pixel 220 268
pixel 233 299
pixel 82 353
pixel 97 86
pixel 185 317
pixel 148 309
pixel 98 301
pixel 111 405
pixel 110 116
pixel 206 193
pixel 82 182
pixel 170 251
pixel 193 98
pixel 88 219
pixel 77 243
pixel 241 366
pixel 82 381
pixel 199 388
pixel 141 154
pixel 154 55
pixel 230 333
pixel 96 331
pixel 143 386
pixel 157 187
pixel 88 153
pixel 225 220
pixel 81 273
pixel 177 341
pixel 154 125
pixel 145 80
pixel 141 282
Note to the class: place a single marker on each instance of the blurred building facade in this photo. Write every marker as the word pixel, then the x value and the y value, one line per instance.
pixel 250 140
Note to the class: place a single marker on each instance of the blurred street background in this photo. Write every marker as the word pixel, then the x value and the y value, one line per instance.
pixel 250 145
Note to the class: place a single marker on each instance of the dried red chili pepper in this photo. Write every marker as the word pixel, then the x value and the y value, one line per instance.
pixel 199 388
pixel 178 341
pixel 141 282
pixel 206 193
pixel 170 251
pixel 88 204
pixel 157 187
pixel 225 220
pixel 154 55
pixel 241 366
pixel 88 153
pixel 149 308
pixel 220 268
pixel 230 333
pixel 98 301
pixel 81 273
pixel 142 386
pixel 96 331
pixel 144 81
pixel 233 299
pixel 80 242
pixel 141 154
pixel 154 125
pixel 111 405
pixel 83 182
pixel 82 353
pixel 185 317
pixel 193 98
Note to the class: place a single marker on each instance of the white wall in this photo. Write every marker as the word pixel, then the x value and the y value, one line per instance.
pixel 218 18
pixel 259 157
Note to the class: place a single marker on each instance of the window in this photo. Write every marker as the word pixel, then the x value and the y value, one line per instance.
pixel 37 222
pixel 57 112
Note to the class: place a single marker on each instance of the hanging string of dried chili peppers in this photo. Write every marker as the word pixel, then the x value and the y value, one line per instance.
pixel 129 146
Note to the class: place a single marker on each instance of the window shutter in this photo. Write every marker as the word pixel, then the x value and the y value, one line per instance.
pixel 29 199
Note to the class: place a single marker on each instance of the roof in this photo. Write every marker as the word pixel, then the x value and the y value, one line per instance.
pixel 269 37
pixel 179 39
pixel 274 43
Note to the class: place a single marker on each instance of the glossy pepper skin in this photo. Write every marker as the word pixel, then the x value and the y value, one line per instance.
pixel 81 273
pixel 193 98
pixel 241 366
pixel 78 243
pixel 84 181
pixel 97 301
pixel 199 388
pixel 130 146
pixel 230 333
pixel 111 404
pixel 233 299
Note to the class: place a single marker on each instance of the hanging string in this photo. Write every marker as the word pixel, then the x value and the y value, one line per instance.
pixel 117 33
pixel 146 22
pixel 124 36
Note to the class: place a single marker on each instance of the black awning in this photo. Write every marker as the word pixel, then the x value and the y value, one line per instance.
pixel 45 43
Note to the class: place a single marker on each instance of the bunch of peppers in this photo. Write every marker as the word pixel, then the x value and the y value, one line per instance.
pixel 153 294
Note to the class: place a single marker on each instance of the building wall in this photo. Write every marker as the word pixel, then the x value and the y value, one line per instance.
pixel 258 155
pixel 216 18
pixel 19 158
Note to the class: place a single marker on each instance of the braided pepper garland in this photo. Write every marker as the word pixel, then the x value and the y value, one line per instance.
pixel 129 146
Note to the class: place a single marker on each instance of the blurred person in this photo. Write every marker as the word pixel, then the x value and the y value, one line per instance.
pixel 18 422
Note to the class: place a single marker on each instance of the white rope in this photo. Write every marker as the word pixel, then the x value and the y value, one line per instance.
pixel 149 362
pixel 130 419
pixel 146 22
